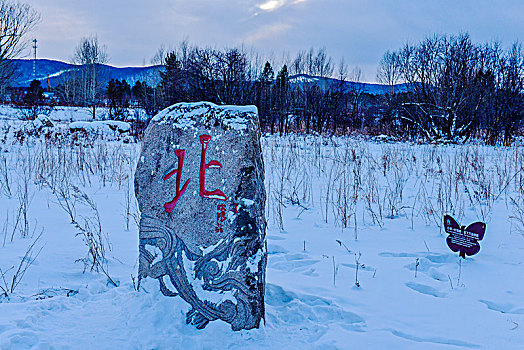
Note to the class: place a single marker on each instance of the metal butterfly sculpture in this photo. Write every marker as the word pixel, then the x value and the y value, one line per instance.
pixel 464 239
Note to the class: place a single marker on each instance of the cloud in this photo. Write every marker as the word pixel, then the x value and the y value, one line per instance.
pixel 360 31
pixel 269 31
pixel 271 5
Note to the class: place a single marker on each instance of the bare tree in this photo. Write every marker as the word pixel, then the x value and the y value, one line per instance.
pixel 232 74
pixel 323 64
pixel 508 106
pixel 389 72
pixel 159 58
pixel 16 20
pixel 446 86
pixel 90 55
pixel 297 66
pixel 356 90
pixel 339 96
pixel 202 72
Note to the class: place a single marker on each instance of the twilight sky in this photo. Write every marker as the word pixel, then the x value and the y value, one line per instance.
pixel 360 31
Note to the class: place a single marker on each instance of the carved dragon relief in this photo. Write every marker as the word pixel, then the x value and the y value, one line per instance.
pixel 225 269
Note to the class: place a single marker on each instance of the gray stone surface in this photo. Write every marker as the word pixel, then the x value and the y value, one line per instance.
pixel 209 247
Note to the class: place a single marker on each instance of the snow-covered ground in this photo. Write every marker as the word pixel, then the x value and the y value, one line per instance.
pixel 71 114
pixel 333 204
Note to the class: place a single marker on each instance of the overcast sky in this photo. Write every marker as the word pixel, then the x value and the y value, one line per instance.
pixel 360 31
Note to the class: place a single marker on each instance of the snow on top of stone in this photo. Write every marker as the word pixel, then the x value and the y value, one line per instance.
pixel 183 115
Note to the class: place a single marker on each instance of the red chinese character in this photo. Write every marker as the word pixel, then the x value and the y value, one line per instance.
pixel 235 208
pixel 169 206
pixel 217 194
pixel 221 212
pixel 221 217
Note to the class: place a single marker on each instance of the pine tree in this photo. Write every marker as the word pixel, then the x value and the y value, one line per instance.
pixel 35 93
pixel 145 96
pixel 118 94
pixel 282 82
pixel 32 103
pixel 172 82
pixel 282 100
pixel 267 77
pixel 263 101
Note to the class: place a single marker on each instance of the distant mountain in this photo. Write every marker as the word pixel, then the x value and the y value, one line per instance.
pixel 57 72
pixel 304 80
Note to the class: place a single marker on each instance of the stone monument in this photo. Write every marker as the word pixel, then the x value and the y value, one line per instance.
pixel 200 189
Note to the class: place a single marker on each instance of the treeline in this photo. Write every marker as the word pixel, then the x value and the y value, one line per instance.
pixel 444 88
pixel 457 89
pixel 314 102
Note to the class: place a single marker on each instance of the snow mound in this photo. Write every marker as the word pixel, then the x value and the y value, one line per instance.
pixel 100 127
pixel 42 121
pixel 119 126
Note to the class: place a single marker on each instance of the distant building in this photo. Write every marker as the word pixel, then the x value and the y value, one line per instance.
pixel 48 95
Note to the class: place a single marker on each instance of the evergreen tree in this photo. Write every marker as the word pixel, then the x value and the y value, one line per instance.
pixel 32 104
pixel 172 80
pixel 267 76
pixel 263 96
pixel 282 100
pixel 35 94
pixel 118 94
pixel 282 81
pixel 145 96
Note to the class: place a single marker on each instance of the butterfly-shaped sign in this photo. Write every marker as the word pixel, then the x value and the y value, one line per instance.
pixel 464 239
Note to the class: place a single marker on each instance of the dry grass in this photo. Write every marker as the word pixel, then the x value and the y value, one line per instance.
pixel 355 183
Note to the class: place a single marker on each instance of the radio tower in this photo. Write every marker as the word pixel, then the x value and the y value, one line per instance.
pixel 34 61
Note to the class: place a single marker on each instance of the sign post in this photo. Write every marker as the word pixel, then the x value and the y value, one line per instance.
pixel 464 240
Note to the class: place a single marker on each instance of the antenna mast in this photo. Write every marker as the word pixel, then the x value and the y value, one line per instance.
pixel 34 61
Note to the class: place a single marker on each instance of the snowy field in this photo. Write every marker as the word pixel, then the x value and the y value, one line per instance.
pixel 357 253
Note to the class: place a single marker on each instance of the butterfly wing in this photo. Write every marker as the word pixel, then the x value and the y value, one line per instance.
pixel 478 228
pixel 450 224
pixel 452 228
pixel 454 247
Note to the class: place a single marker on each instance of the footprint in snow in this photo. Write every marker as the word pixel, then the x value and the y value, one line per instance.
pixel 20 339
pixel 433 340
pixel 275 238
pixel 293 263
pixel 505 308
pixel 275 249
pixel 303 311
pixel 441 258
pixel 427 267
pixel 433 257
pixel 427 290
pixel 364 268
pixel 398 255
